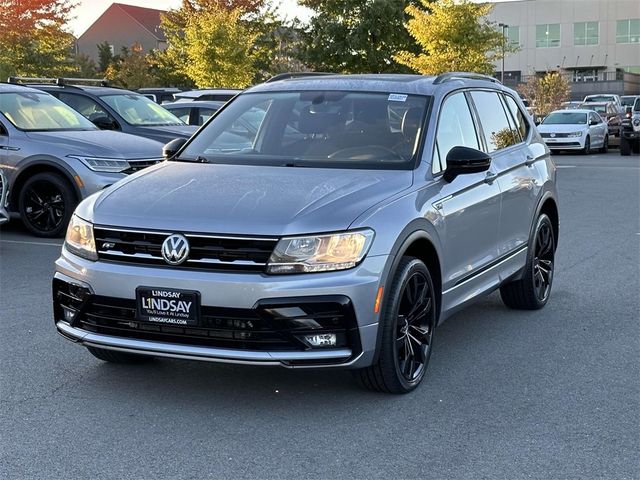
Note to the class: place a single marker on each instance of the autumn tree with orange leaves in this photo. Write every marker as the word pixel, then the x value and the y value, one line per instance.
pixel 33 39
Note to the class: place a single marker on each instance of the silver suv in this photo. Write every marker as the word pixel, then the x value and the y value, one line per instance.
pixel 318 222
pixel 53 157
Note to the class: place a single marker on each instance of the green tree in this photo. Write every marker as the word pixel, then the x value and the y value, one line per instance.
pixel 33 39
pixel 132 69
pixel 453 35
pixel 356 36
pixel 105 56
pixel 85 65
pixel 218 49
pixel 546 93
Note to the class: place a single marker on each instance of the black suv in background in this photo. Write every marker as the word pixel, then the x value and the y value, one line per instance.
pixel 111 108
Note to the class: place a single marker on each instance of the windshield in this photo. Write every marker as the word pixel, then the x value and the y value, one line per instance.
pixel 40 111
pixel 314 129
pixel 565 118
pixel 139 110
pixel 600 98
pixel 627 101
pixel 636 106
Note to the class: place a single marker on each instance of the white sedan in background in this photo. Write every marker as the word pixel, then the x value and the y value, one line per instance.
pixel 575 129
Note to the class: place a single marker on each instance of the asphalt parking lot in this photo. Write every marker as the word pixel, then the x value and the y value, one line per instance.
pixel 546 394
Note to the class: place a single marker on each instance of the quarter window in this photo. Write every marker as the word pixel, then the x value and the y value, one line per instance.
pixel 521 121
pixel 495 126
pixel 628 31
pixel 585 33
pixel 455 129
pixel 548 35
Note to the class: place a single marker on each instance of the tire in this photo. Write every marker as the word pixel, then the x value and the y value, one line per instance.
pixel 407 328
pixel 587 146
pixel 113 356
pixel 46 202
pixel 625 147
pixel 635 147
pixel 605 145
pixel 533 290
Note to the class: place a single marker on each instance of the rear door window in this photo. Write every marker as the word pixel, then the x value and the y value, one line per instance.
pixel 495 126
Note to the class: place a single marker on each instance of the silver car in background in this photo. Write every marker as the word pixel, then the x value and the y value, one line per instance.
pixel 575 129
pixel 321 222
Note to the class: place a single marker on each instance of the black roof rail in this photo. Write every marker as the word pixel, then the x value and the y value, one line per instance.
pixel 18 80
pixel 287 75
pixel 103 82
pixel 62 81
pixel 445 77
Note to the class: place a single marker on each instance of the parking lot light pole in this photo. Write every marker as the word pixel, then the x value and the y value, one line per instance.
pixel 503 26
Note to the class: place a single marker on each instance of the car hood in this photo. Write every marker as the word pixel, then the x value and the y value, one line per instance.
pixel 98 143
pixel 166 133
pixel 241 199
pixel 562 128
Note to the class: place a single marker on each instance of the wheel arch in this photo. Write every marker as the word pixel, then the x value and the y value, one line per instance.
pixel 39 166
pixel 416 240
pixel 549 207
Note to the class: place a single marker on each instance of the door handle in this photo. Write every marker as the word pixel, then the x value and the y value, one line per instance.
pixel 530 161
pixel 490 177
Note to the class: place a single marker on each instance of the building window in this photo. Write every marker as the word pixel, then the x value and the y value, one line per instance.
pixel 548 35
pixel 513 36
pixel 628 31
pixel 585 75
pixel 585 33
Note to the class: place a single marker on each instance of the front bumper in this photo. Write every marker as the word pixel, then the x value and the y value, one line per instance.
pixel 573 143
pixel 242 292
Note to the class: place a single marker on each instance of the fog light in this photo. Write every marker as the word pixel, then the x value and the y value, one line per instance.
pixel 68 314
pixel 321 340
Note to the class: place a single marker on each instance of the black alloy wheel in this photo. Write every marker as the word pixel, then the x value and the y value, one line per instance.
pixel 533 289
pixel 407 324
pixel 543 261
pixel 414 327
pixel 46 203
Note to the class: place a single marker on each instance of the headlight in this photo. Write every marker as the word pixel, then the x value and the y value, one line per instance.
pixel 320 253
pixel 112 165
pixel 79 239
pixel 575 134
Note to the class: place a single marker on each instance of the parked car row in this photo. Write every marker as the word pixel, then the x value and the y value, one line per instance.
pixel 53 156
pixel 630 136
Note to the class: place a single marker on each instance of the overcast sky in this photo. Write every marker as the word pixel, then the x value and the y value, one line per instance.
pixel 88 11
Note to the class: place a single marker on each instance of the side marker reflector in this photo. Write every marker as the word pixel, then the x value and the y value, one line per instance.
pixel 79 181
pixel 376 307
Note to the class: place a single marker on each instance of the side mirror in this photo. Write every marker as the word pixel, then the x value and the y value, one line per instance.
pixel 104 123
pixel 464 160
pixel 593 122
pixel 171 148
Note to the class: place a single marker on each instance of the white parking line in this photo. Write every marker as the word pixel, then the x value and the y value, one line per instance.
pixel 566 166
pixel 50 244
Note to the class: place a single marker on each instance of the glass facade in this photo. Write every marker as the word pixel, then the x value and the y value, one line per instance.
pixel 548 35
pixel 585 33
pixel 628 31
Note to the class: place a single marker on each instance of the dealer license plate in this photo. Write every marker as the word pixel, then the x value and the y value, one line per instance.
pixel 168 305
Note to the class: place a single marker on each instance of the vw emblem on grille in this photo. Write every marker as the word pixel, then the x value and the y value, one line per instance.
pixel 175 249
pixel 553 135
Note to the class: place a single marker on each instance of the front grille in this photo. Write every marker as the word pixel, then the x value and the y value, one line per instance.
pixel 274 325
pixel 563 144
pixel 555 135
pixel 208 252
pixel 136 165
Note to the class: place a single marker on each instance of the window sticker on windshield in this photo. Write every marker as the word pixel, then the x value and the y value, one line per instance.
pixel 397 97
